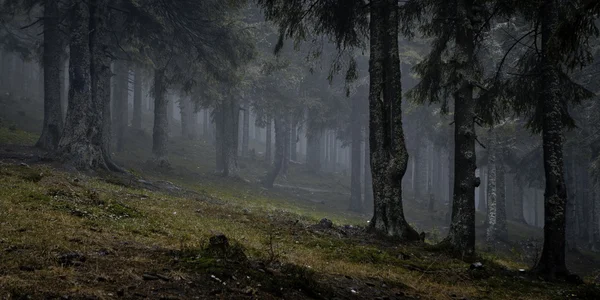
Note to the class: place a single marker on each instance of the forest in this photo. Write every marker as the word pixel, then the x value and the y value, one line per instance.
pixel 299 149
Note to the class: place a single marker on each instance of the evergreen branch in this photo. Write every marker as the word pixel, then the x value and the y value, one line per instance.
pixel 508 52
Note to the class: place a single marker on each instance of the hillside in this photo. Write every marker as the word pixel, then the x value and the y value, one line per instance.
pixel 159 234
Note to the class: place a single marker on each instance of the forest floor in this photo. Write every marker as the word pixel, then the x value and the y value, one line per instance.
pixel 69 235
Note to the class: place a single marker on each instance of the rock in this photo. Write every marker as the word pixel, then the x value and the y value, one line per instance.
pixel 325 223
pixel 476 266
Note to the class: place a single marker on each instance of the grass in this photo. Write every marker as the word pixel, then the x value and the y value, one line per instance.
pixel 125 232
pixel 12 135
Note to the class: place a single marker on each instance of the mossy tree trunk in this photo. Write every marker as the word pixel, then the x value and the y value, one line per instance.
pixel 388 149
pixel 81 142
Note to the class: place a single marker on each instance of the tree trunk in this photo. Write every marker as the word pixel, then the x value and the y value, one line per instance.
pixel 571 213
pixel 482 190
pixel 519 217
pixel 188 122
pixel 368 187
pixel 280 137
pixel 230 111
pixel 206 125
pixel 246 129
pixel 286 148
pixel 53 119
pixel 492 195
pixel 356 128
pixel 120 111
pixel 313 148
pixel 501 232
pixel 596 221
pixel 294 140
pixel 160 132
pixel 268 142
pixel 552 262
pixel 81 143
pixel 219 124
pixel 136 121
pixel 388 149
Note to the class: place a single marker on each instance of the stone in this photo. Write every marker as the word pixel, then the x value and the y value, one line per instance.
pixel 325 223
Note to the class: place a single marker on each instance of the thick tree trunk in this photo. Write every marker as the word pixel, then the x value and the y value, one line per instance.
pixel 571 213
pixel 81 143
pixel 280 133
pixel 53 119
pixel 552 261
pixel 206 125
pixel 462 227
pixel 388 149
pixel 136 121
pixel 355 178
pixel 160 132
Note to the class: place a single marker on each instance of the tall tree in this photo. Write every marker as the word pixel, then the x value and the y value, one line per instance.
pixel 136 122
pixel 53 120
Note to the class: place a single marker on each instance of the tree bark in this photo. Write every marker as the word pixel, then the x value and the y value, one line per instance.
pixel 388 149
pixel 120 111
pixel 501 233
pixel 136 121
pixel 286 147
pixel 230 115
pixel 81 143
pixel 482 189
pixel 355 176
pixel 53 119
pixel 294 140
pixel 160 132
pixel 552 262
pixel 462 228
pixel 281 130
pixel 492 195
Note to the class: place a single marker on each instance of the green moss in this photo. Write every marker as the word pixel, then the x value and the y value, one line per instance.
pixel 11 135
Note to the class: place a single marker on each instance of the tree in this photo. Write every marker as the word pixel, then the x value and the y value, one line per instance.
pixel 53 48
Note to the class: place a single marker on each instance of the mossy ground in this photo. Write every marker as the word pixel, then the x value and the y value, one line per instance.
pixel 124 238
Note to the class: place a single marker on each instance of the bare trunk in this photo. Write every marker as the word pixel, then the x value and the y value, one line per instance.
pixel 53 119
pixel 230 111
pixel 160 132
pixel 294 140
pixel 136 122
pixel 268 142
pixel 281 131
pixel 462 227
pixel 552 262
pixel 246 129
pixel 120 111
pixel 368 187
pixel 356 127
pixel 388 150
pixel 518 207
pixel 492 203
pixel 313 148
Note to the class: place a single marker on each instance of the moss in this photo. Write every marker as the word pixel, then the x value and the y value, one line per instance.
pixel 17 137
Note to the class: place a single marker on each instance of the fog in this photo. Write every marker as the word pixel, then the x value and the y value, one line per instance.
pixel 308 114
